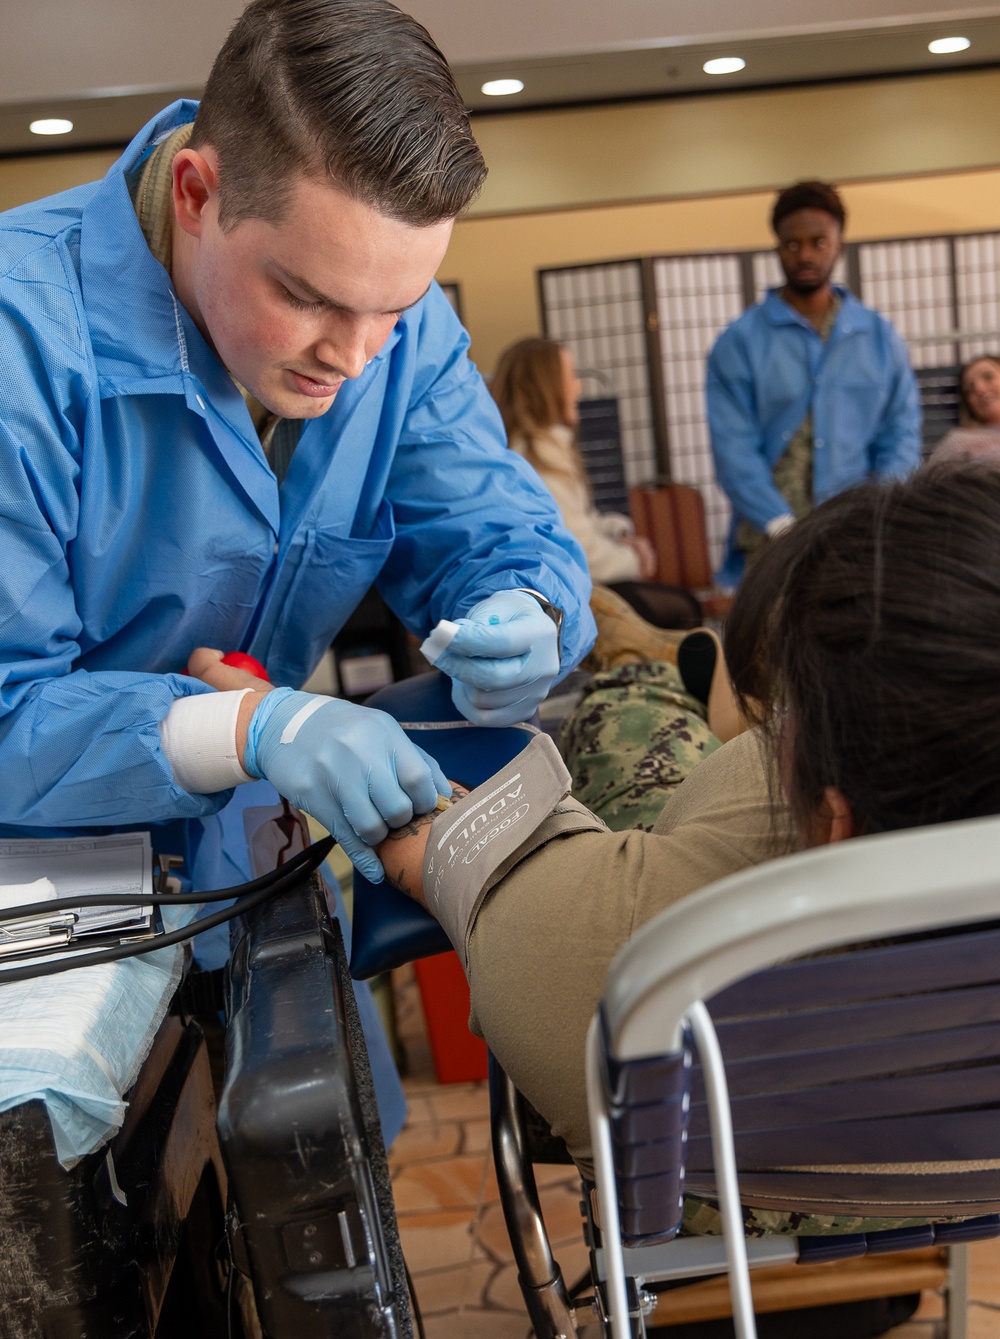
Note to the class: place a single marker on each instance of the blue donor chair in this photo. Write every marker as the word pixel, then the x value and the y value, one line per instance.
pixel 819 1034
pixel 389 928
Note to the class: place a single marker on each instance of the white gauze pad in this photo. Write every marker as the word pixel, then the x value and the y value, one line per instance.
pixel 432 648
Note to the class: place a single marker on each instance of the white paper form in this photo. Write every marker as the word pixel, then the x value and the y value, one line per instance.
pixel 81 866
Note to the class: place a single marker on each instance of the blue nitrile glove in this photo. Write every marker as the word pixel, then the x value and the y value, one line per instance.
pixel 502 659
pixel 351 767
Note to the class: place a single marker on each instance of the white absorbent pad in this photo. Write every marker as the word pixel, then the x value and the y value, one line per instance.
pixel 78 1040
pixel 432 648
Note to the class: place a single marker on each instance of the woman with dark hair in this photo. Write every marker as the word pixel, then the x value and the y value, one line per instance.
pixel 979 398
pixel 865 643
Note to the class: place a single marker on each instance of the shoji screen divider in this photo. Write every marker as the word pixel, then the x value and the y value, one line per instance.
pixel 599 313
pixel 644 326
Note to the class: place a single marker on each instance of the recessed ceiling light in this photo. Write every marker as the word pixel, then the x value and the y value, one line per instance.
pixel 946 46
pixel 724 65
pixel 55 125
pixel 501 88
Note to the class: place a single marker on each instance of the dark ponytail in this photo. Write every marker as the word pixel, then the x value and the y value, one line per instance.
pixel 867 640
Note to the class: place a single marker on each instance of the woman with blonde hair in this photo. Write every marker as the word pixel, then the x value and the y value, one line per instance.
pixel 978 436
pixel 537 390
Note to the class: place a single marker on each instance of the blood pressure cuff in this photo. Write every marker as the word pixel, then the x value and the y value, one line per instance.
pixel 477 841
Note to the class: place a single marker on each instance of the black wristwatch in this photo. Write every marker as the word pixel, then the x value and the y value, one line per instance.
pixel 553 610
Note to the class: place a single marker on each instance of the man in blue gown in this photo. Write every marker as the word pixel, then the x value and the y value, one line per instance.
pixel 231 399
pixel 809 392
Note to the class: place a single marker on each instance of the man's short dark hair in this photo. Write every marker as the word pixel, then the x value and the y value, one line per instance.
pixel 808 195
pixel 353 90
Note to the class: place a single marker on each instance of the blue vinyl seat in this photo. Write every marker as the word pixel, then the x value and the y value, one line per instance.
pixel 389 928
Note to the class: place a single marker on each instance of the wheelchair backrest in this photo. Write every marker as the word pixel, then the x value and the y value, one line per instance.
pixel 864 1080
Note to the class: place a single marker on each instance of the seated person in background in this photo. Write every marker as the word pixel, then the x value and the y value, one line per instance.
pixel 979 397
pixel 538 391
pixel 808 392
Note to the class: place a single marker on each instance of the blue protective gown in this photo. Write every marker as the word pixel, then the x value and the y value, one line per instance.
pixel 140 519
pixel 771 367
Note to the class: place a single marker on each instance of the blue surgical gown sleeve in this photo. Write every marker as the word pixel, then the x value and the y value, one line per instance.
pixel 471 516
pixel 741 464
pixel 76 748
pixel 896 447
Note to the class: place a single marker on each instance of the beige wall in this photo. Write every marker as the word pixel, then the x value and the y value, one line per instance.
pixel 495 260
pixel 691 174
pixel 746 141
pixel 23 179
pixel 686 174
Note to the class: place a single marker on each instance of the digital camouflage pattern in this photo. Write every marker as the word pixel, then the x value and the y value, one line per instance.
pixel 702 1219
pixel 633 738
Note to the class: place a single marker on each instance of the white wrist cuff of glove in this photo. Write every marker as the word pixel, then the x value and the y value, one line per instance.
pixel 198 735
pixel 777 525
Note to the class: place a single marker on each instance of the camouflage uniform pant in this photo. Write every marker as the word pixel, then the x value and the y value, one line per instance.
pixel 632 739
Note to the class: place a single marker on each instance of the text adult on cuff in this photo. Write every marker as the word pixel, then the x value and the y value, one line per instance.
pixel 502 659
pixel 351 767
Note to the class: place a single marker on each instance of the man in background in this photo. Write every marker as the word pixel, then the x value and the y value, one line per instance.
pixel 809 392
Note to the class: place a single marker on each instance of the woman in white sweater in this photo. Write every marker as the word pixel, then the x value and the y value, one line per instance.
pixel 537 389
pixel 978 436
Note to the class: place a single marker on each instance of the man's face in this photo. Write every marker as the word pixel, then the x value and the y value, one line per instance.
pixel 809 245
pixel 295 308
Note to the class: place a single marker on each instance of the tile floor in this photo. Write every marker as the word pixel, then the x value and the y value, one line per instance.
pixel 450 1221
pixel 452 1228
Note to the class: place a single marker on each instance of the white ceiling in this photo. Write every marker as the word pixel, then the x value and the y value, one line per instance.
pixel 126 56
pixel 474 31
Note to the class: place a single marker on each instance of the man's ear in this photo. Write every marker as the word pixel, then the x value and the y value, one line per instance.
pixel 195 187
pixel 833 820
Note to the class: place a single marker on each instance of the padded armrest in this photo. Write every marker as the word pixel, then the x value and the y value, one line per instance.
pixel 389 928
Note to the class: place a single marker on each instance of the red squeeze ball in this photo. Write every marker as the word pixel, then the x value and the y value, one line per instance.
pixel 240 660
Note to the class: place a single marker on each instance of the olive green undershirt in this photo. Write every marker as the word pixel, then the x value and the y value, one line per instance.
pixel 793 473
pixel 152 196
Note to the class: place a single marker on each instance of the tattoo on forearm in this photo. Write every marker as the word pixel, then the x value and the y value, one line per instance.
pixel 400 878
pixel 411 829
pixel 397 878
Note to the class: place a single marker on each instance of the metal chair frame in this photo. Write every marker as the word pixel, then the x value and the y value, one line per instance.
pixel 896 884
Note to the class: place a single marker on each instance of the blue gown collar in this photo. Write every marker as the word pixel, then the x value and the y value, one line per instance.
pixel 853 315
pixel 133 315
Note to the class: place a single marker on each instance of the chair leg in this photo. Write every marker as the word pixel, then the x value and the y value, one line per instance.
pixel 619 1313
pixel 957 1299
pixel 724 1157
pixel 538 1274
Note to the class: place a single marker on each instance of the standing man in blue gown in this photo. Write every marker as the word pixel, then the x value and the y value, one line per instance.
pixel 809 392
